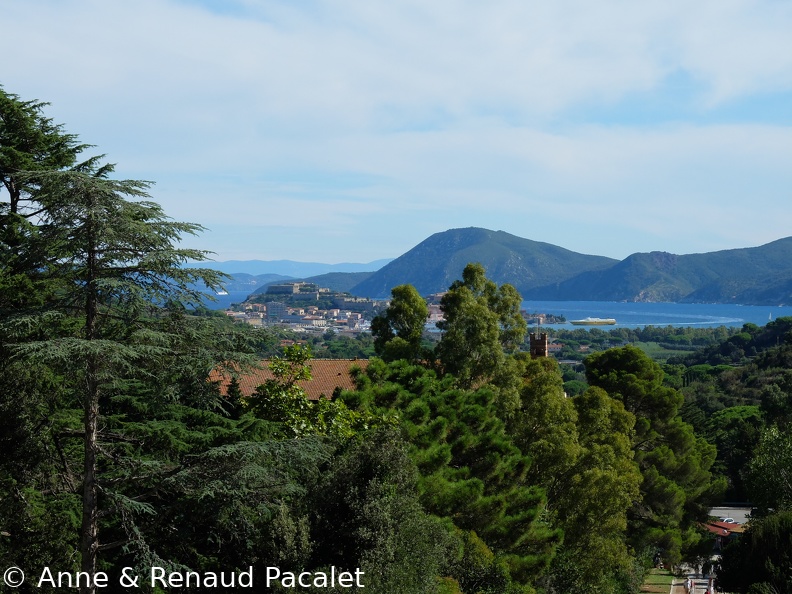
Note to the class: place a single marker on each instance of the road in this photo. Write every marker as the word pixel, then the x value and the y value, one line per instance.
pixel 740 514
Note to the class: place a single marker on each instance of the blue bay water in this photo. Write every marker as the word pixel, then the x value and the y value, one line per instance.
pixel 628 315
pixel 633 315
pixel 225 301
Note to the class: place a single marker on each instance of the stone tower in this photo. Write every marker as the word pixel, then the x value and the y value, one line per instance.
pixel 538 344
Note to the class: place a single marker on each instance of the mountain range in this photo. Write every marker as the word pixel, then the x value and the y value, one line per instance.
pixel 752 276
pixel 542 271
pixel 287 268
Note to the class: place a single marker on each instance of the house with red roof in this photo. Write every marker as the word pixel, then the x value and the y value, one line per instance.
pixel 724 532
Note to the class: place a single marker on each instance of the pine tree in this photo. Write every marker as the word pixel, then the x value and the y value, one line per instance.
pixel 31 142
pixel 398 331
pixel 675 464
pixel 120 290
pixel 482 324
pixel 471 472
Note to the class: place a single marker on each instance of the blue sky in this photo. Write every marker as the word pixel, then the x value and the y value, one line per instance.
pixel 338 131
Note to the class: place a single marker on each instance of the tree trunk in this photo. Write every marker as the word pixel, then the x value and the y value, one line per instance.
pixel 89 536
pixel 89 544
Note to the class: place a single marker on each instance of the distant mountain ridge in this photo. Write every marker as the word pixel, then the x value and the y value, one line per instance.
pixel 436 262
pixel 242 281
pixel 287 268
pixel 751 276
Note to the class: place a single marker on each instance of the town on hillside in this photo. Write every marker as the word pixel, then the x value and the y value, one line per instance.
pixel 306 307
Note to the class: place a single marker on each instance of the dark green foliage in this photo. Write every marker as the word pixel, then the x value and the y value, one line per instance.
pixel 339 346
pixel 470 470
pixel 761 560
pixel 544 426
pixel 481 325
pixel 223 505
pixel 769 474
pixel 568 576
pixel 109 329
pixel 677 485
pixel 630 376
pixel 752 340
pixel 575 387
pixel 373 519
pixel 478 569
pixel 583 455
pixel 730 405
pixel 735 431
pixel 399 329
pixel 669 336
pixel 601 486
pixel 38 529
pixel 31 142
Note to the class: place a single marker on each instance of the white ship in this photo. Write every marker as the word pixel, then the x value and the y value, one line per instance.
pixel 593 322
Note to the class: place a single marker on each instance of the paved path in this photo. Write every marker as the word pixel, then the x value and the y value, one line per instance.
pixel 678 586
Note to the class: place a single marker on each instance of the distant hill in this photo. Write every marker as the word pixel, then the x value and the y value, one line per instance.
pixel 436 262
pixel 335 281
pixel 770 342
pixel 248 282
pixel 241 281
pixel 752 276
pixel 773 292
pixel 287 268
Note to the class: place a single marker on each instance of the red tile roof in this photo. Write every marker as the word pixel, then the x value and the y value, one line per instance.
pixel 716 530
pixel 724 528
pixel 326 376
pixel 729 526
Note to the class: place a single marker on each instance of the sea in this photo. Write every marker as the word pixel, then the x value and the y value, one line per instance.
pixel 224 301
pixel 635 315
pixel 627 315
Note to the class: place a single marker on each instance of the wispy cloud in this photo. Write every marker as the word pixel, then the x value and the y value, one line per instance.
pixel 367 126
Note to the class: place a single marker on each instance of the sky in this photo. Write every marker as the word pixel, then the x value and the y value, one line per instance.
pixel 341 131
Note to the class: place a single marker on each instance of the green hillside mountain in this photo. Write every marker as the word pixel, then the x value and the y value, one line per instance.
pixel 436 262
pixel 773 292
pixel 752 276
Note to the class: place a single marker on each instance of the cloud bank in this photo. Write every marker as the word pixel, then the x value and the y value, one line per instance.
pixel 344 131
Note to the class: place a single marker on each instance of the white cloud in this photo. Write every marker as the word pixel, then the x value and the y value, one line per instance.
pixel 350 61
pixel 445 113
pixel 657 181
